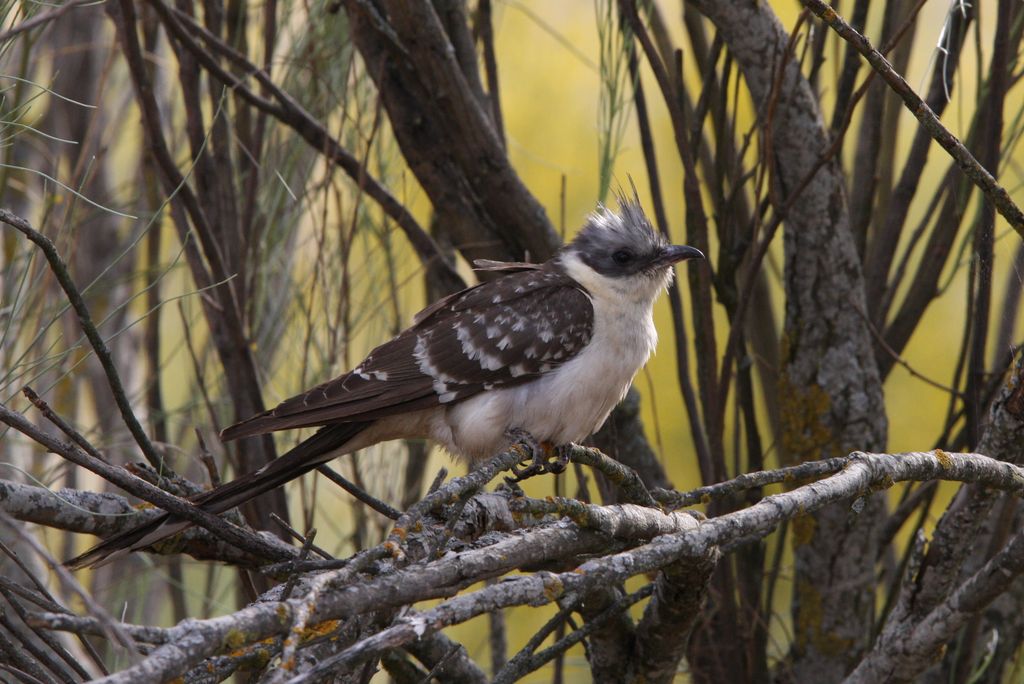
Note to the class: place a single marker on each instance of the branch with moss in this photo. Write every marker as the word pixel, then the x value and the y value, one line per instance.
pixel 671 542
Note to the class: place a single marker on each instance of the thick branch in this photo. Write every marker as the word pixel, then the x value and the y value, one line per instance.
pixel 192 641
pixel 830 392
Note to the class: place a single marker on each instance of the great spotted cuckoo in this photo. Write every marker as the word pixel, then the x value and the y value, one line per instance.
pixel 546 349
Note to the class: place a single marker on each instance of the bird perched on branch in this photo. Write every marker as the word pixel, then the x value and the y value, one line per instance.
pixel 547 350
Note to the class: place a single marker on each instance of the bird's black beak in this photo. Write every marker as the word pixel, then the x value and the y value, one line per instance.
pixel 676 253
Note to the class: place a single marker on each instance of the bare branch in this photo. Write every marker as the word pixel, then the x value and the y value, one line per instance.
pixel 338 595
pixel 981 177
pixel 60 271
pixel 142 489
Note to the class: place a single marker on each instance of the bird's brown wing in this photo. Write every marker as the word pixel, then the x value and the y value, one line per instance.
pixel 497 334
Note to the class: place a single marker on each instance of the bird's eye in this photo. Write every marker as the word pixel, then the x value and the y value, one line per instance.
pixel 622 257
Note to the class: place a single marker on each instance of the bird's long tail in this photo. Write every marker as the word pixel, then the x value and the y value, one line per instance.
pixel 306 456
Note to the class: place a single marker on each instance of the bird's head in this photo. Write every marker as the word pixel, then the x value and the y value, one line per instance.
pixel 621 251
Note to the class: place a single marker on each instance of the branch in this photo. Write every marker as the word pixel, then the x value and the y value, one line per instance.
pixel 831 400
pixel 527 661
pixel 136 486
pixel 865 473
pixel 289 112
pixel 791 474
pixel 920 109
pixel 40 18
pixel 440 653
pixel 459 487
pixel 341 595
pixel 901 657
pixel 622 476
pixel 102 514
pixel 963 527
pixel 60 271
pixel 446 133
pixel 678 597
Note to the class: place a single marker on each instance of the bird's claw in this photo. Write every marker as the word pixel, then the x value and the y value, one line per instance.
pixel 562 453
pixel 547 458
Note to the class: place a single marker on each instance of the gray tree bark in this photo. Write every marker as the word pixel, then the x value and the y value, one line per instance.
pixel 830 391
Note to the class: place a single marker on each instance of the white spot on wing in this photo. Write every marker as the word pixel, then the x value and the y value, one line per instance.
pixel 473 352
pixel 439 379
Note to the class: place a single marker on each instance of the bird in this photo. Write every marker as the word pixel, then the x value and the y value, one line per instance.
pixel 545 350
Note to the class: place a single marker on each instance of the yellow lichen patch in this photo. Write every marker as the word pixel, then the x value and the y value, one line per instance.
pixel 235 638
pixel 254 648
pixel 884 483
pixel 553 588
pixel 317 631
pixel 578 516
pixel 809 631
pixel 943 458
pixel 803 527
pixel 804 412
pixel 261 659
pixel 808 618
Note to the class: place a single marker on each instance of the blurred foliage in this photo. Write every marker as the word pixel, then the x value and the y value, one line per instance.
pixel 335 276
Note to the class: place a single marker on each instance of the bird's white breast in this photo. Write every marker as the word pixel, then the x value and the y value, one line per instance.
pixel 571 402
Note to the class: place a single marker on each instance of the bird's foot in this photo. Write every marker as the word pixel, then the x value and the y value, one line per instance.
pixel 562 452
pixel 547 458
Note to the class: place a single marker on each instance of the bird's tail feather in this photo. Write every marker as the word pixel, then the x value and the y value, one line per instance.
pixel 306 456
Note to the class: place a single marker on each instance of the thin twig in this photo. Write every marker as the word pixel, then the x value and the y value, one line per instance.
pixel 136 486
pixel 920 109
pixel 110 628
pixel 294 534
pixel 792 474
pixel 289 112
pixel 42 18
pixel 307 545
pixel 355 490
pixel 106 359
pixel 880 339
pixel 45 597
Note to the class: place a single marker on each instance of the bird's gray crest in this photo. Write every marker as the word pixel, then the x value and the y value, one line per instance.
pixel 618 243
